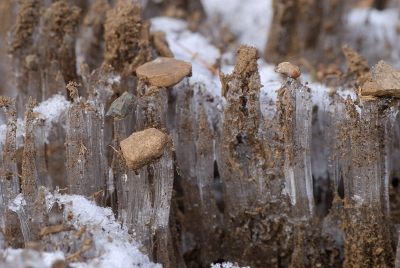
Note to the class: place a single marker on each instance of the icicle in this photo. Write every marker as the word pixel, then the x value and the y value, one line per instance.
pixel 29 184
pixel 17 205
pixel 211 219
pixel 297 135
pixel 10 181
pixel 97 162
pixel 40 217
pixel 102 84
pixel 120 169
pixel 9 170
pixel 151 187
pixel 44 178
pixel 194 143
pixel 75 145
pixel 366 132
pixel 25 73
pixel 397 263
pixel 243 154
pixel 54 81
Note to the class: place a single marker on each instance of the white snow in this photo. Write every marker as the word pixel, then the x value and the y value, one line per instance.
pixel 180 40
pixel 227 265
pixel 378 31
pixel 120 251
pixel 249 20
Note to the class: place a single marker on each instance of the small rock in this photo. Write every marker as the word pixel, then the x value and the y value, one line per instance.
pixel 142 147
pixel 288 69
pixel 123 106
pixel 32 62
pixel 161 44
pixel 164 72
pixel 388 78
pixel 370 91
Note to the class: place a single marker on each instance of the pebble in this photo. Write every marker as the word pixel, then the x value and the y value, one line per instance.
pixel 288 69
pixel 122 106
pixel 142 147
pixel 164 72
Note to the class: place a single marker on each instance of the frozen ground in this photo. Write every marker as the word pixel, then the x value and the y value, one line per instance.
pixel 239 16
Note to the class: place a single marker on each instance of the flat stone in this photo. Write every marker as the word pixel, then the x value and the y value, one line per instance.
pixel 164 72
pixel 142 147
pixel 387 77
pixel 371 90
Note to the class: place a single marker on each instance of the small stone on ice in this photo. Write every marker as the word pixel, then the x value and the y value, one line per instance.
pixel 122 106
pixel 142 147
pixel 32 62
pixel 387 77
pixel 288 69
pixel 164 72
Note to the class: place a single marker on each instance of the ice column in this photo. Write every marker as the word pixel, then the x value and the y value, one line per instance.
pixel 29 181
pixel 10 182
pixel 76 149
pixel 297 136
pixel 242 161
pixel 148 207
pixel 25 74
pixel 367 131
pixel 195 143
pixel 60 23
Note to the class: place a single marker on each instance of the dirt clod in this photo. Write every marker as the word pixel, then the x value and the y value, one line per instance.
pixel 164 72
pixel 358 65
pixel 122 34
pixel 142 147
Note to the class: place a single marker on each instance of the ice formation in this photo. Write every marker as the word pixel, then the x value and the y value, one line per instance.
pixel 258 169
pixel 87 227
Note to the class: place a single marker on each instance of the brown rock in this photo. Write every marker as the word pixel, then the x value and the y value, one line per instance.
pixel 387 77
pixel 32 62
pixel 122 106
pixel 161 45
pixel 371 90
pixel 288 69
pixel 142 147
pixel 164 72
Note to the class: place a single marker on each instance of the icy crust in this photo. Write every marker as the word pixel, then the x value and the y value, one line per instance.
pixel 111 245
